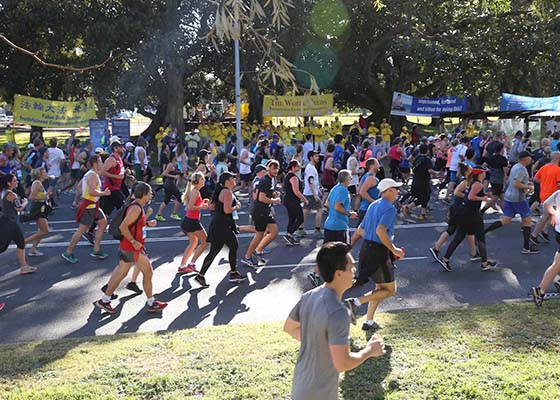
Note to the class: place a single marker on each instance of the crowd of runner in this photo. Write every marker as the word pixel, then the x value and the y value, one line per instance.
pixel 367 174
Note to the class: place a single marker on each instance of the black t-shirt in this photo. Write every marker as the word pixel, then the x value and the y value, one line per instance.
pixel 496 163
pixel 266 186
pixel 421 168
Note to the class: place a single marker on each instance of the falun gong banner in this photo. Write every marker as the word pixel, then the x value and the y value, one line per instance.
pixel 405 104
pixel 53 114
pixel 297 106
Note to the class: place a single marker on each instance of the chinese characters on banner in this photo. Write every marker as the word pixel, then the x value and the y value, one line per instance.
pixel 53 114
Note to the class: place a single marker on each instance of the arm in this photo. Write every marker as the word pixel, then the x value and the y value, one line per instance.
pixel 368 184
pixel 358 234
pixel 459 190
pixel 293 328
pixel 266 200
pixel 13 198
pixel 227 199
pixel 107 165
pixel 295 188
pixel 382 234
pixel 518 185
pixel 141 158
pixel 167 172
pixel 329 165
pixel 192 199
pixel 91 183
pixel 475 188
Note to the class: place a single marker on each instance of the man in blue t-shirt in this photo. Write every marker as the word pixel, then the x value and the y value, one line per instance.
pixel 336 225
pixel 378 251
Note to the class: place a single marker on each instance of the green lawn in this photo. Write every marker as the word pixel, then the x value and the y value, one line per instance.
pixel 498 352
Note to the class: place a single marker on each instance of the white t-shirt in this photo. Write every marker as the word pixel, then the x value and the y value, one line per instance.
pixel 550 125
pixel 137 150
pixel 307 147
pixel 554 201
pixel 353 165
pixel 55 158
pixel 245 169
pixel 311 176
pixel 460 150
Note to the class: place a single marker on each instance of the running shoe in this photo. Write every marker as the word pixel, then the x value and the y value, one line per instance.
pixel 250 262
pixel 2 305
pixel 530 250
pixel 475 258
pixel 300 233
pixel 434 253
pixel 187 269
pixel 27 269
pixel 175 216
pixel 318 234
pixel 201 281
pixel 290 240
pixel 160 218
pixel 371 326
pixel 260 257
pixel 105 306
pixel 544 236
pixel 236 277
pixel 35 253
pixel 133 287
pixel 71 258
pixel 89 237
pixel 445 264
pixel 266 250
pixel 489 265
pixel 557 285
pixel 99 255
pixel 156 306
pixel 114 296
pixel 534 240
pixel 353 309
pixel 314 278
pixel 537 296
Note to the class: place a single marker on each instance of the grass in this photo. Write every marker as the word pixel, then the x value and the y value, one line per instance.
pixel 496 352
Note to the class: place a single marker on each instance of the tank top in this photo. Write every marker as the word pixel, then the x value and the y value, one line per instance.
pixel 85 190
pixel 394 153
pixel 137 159
pixel 220 218
pixel 137 230
pixel 373 191
pixel 114 184
pixel 195 214
pixel 328 178
pixel 290 196
pixel 9 211
pixel 474 205
pixel 171 181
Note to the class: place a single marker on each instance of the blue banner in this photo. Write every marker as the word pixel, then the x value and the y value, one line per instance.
pixel 405 104
pixel 121 128
pixel 98 132
pixel 513 102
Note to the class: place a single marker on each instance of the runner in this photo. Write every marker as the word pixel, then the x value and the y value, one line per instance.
pixel 222 230
pixel 368 187
pixel 515 202
pixel 131 251
pixel 336 224
pixel 498 165
pixel 552 207
pixel 265 225
pixel 170 175
pixel 191 226
pixel 89 212
pixel 471 222
pixel 320 321
pixel 377 252
pixel 293 200
pixel 40 209
pixel 11 231
pixel 245 165
pixel 312 192
pixel 422 169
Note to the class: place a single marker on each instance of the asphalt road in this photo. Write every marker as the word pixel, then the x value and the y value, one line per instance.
pixel 57 301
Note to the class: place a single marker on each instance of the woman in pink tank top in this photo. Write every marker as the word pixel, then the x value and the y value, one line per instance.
pixel 191 225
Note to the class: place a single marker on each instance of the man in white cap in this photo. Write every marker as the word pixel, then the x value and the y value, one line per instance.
pixel 377 252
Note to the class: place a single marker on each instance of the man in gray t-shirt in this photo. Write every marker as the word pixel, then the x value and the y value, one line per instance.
pixel 515 202
pixel 320 321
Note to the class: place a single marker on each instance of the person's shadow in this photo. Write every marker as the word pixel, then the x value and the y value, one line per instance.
pixel 365 381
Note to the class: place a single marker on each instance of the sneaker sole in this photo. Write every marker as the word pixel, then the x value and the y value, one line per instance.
pixel 529 252
pixel 156 310
pixel 98 257
pixel 443 265
pixel 237 280
pixel 69 260
pixel 535 296
pixel 95 303
pixel 434 255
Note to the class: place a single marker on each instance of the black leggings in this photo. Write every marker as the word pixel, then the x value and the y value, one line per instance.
pixel 476 228
pixel 295 215
pixel 171 190
pixel 447 179
pixel 10 232
pixel 220 236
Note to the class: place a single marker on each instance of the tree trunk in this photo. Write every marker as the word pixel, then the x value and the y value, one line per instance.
pixel 158 120
pixel 176 96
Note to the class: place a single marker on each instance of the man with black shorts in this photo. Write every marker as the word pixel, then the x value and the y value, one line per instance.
pixel 336 224
pixel 378 251
pixel 89 212
pixel 265 225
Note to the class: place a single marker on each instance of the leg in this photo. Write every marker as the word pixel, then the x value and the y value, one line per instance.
pixel 471 244
pixel 176 206
pixel 441 241
pixel 201 235
pixel 193 242
pixel 42 232
pixel 232 244
pixel 457 239
pixel 550 273
pixel 253 245
pixel 271 233
pixel 76 238
pixel 215 248
pixel 101 225
pixel 145 266
pixel 382 291
pixel 119 273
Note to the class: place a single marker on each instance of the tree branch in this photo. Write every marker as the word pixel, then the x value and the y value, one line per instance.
pixel 56 66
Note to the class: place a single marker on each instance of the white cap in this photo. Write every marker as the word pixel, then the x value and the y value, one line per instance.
pixel 99 150
pixel 431 138
pixel 388 183
pixel 30 146
pixel 128 144
pixel 114 139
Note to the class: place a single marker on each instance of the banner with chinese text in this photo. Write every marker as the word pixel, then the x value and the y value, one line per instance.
pixel 53 114
pixel 297 106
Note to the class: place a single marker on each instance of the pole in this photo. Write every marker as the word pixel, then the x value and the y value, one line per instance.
pixel 237 84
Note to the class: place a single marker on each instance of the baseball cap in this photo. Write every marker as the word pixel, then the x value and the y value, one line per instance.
pixel 275 136
pixel 225 176
pixel 202 153
pixel 30 146
pixel 115 143
pixel 518 133
pixel 431 138
pixel 477 169
pixel 259 168
pixel 115 139
pixel 388 183
pixel 129 144
pixel 99 150
pixel 524 154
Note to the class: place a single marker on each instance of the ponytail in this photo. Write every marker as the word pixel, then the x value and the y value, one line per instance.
pixel 194 179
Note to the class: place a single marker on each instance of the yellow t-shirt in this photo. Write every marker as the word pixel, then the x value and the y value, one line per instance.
pixel 159 137
pixel 386 131
pixel 11 135
pixel 203 130
pixel 372 130
pixel 336 127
